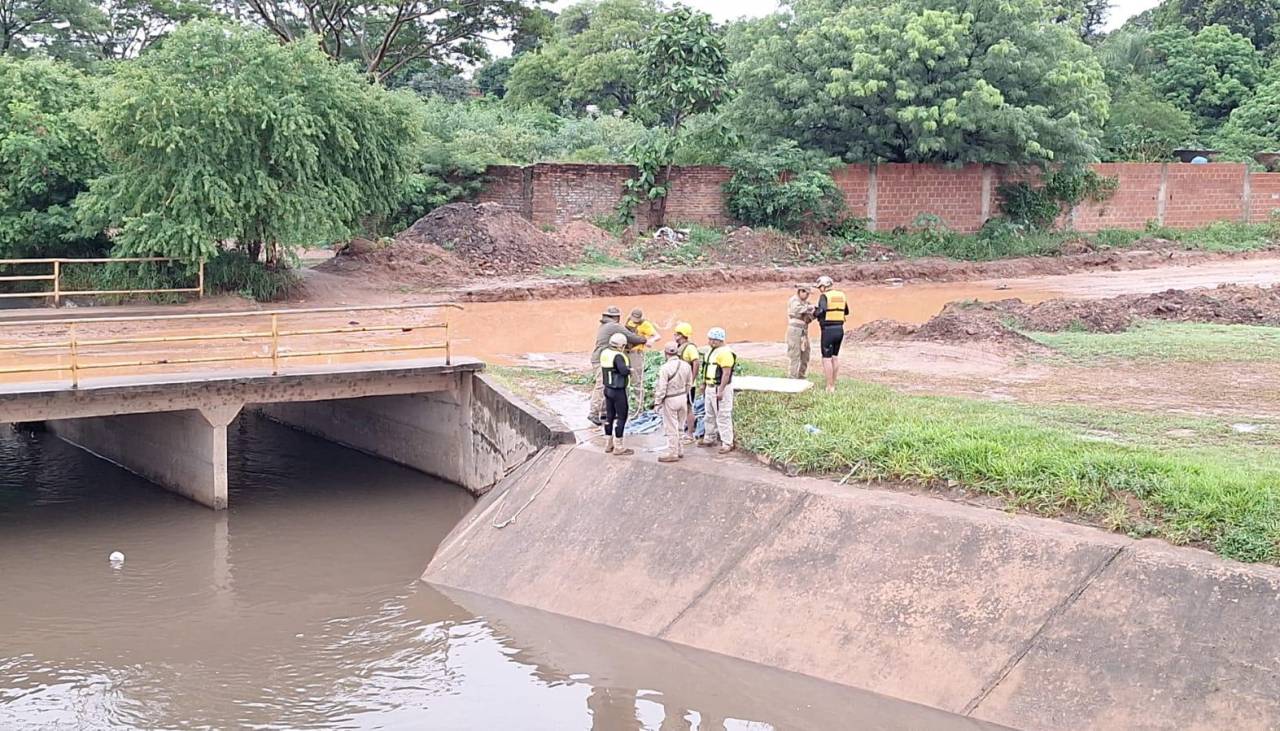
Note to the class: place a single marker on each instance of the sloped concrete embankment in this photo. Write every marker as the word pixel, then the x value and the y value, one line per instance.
pixel 1026 622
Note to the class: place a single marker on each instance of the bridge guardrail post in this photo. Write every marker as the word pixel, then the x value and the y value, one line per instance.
pixel 275 345
pixel 75 365
pixel 57 282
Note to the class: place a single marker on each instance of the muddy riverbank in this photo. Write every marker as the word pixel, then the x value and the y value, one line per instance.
pixel 630 282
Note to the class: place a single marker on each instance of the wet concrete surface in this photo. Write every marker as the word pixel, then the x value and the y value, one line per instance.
pixel 300 608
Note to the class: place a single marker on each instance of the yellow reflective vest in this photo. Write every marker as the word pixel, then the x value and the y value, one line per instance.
pixel 837 303
pixel 717 360
pixel 612 378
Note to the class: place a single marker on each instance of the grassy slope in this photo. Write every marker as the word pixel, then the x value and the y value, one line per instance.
pixel 1035 458
pixel 1165 341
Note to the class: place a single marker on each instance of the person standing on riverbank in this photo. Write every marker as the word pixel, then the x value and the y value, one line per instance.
pixel 647 330
pixel 614 371
pixel 832 312
pixel 718 393
pixel 799 315
pixel 671 399
pixel 609 326
pixel 689 354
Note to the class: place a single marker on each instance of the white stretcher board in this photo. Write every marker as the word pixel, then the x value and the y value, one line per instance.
pixel 773 385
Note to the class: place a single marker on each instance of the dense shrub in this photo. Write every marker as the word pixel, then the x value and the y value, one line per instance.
pixel 783 187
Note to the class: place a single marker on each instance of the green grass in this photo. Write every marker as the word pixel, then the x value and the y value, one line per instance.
pixel 591 267
pixel 1036 459
pixel 1002 240
pixel 1168 341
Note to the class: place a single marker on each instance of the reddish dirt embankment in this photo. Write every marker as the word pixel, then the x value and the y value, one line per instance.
pixel 461 242
pixel 991 321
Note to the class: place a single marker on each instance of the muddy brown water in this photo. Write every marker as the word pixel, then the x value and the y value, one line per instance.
pixel 300 608
pixel 505 331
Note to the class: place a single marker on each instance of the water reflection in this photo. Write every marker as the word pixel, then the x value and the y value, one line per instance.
pixel 299 608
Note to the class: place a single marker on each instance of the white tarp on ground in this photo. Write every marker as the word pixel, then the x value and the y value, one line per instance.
pixel 776 385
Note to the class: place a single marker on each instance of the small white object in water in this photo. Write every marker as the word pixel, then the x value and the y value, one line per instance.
pixel 116 557
pixel 1245 428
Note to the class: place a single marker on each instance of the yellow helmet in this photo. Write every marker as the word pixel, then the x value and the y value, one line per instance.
pixel 684 329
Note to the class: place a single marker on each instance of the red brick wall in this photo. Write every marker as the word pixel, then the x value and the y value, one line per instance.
pixel 562 193
pixel 1193 195
pixel 855 182
pixel 1197 194
pixel 1135 201
pixel 697 195
pixel 1265 198
pixel 904 192
pixel 504 185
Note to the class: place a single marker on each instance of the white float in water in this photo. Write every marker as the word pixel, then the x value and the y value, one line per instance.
pixel 116 557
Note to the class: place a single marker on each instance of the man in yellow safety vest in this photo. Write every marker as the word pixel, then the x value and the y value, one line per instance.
pixel 718 393
pixel 831 313
pixel 689 354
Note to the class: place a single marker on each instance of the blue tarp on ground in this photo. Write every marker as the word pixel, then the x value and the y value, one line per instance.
pixel 650 422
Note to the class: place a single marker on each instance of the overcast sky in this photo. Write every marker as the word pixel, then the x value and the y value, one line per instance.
pixel 1121 10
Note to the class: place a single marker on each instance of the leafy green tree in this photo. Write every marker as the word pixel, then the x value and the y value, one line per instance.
pixel 594 58
pixel 126 28
pixel 926 81
pixel 47 157
pixel 442 81
pixel 386 36
pixel 1207 73
pixel 1144 127
pixel 491 79
pixel 26 25
pixel 1256 20
pixel 222 134
pixel 1255 125
pixel 685 72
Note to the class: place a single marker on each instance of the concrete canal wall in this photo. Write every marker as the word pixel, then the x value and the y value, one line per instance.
pixel 1021 621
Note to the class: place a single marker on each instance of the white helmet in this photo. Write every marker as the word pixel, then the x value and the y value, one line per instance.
pixel 825 281
pixel 618 340
pixel 716 333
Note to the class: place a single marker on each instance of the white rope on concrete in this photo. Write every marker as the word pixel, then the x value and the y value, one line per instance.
pixel 500 525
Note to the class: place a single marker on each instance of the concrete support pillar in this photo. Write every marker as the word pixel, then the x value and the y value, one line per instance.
pixel 987 176
pixel 1162 195
pixel 1246 197
pixel 873 197
pixel 183 451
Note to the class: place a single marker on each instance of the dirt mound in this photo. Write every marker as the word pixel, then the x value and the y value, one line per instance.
pixel 400 262
pixel 582 236
pixel 461 241
pixel 489 237
pixel 1228 304
pixel 959 326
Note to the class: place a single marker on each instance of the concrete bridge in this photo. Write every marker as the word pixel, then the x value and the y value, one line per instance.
pixel 163 414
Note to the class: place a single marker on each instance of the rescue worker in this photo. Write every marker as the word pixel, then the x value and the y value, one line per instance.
pixel 689 354
pixel 647 330
pixel 799 315
pixel 609 326
pixel 718 393
pixel 614 371
pixel 671 399
pixel 832 312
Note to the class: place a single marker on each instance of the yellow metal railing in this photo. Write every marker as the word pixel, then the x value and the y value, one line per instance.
pixel 78 347
pixel 58 267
